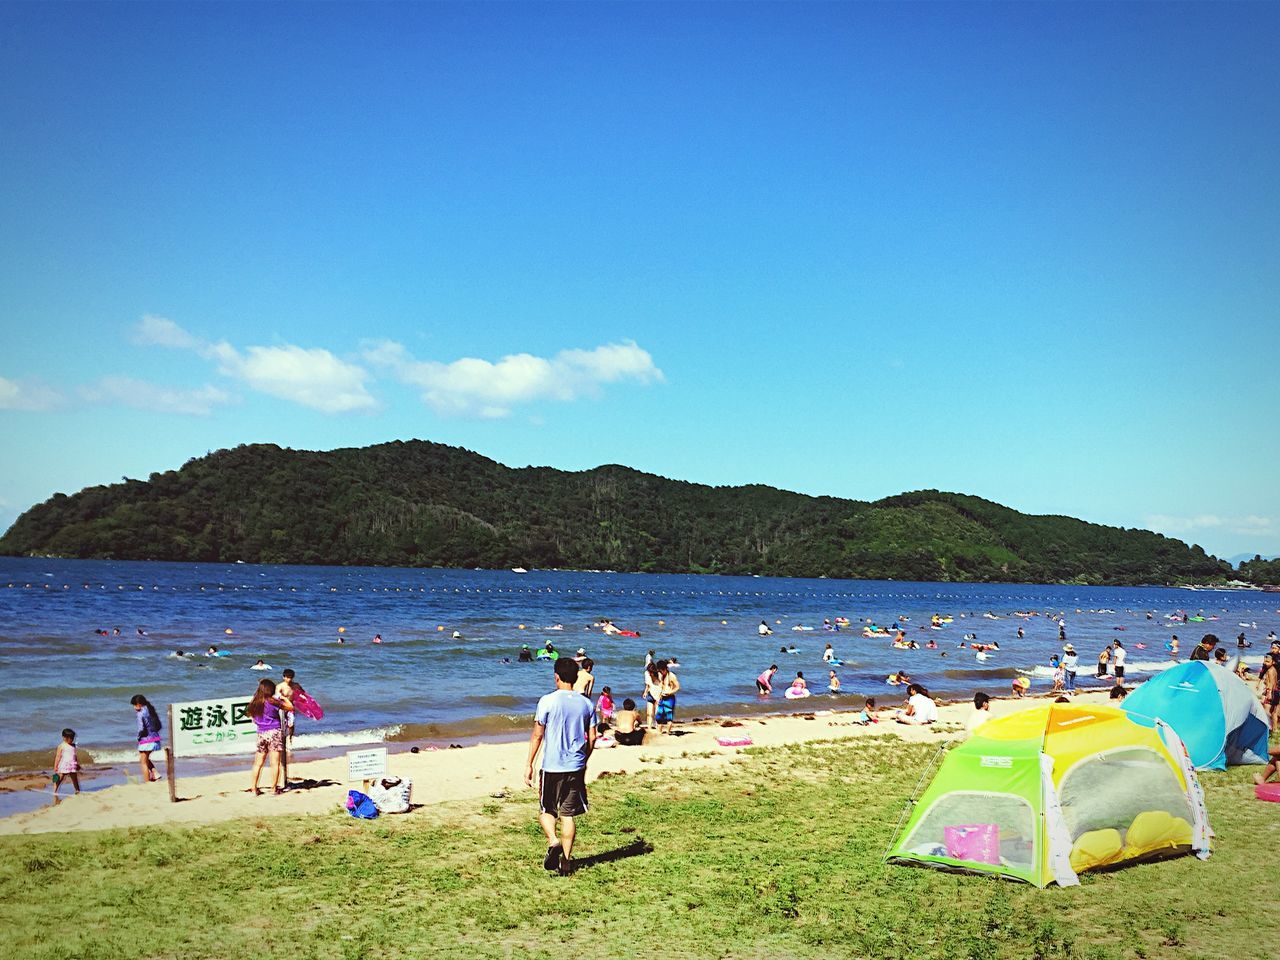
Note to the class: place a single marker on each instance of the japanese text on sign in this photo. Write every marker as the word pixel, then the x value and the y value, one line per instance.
pixel 366 764
pixel 213 726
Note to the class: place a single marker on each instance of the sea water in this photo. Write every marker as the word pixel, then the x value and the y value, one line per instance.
pixel 423 686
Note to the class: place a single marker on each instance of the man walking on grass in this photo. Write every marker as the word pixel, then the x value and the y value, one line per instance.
pixel 562 728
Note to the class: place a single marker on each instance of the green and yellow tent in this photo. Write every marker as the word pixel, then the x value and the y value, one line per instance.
pixel 1049 792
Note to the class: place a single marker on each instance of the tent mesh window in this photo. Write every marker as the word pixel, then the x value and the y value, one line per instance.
pixel 1109 790
pixel 1006 829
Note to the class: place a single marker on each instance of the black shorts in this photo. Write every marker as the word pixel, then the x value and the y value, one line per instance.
pixel 761 688
pixel 1119 672
pixel 562 794
pixel 633 739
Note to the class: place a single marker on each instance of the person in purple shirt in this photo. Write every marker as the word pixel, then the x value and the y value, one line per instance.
pixel 148 736
pixel 265 709
pixel 564 732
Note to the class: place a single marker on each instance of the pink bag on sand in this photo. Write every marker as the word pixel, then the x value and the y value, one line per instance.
pixel 974 842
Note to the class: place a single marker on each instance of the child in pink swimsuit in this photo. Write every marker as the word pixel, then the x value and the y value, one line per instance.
pixel 65 762
pixel 605 703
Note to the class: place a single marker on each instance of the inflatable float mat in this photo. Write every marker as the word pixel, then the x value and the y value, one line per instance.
pixel 743 741
pixel 306 705
pixel 794 694
pixel 1268 791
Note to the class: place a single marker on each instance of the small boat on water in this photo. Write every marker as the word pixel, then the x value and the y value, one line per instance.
pixel 519 570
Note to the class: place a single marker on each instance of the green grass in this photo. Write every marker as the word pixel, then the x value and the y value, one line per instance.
pixel 776 855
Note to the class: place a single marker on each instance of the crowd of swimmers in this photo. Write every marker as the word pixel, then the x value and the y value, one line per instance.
pixel 273 711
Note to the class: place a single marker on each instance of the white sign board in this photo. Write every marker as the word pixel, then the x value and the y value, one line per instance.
pixel 367 764
pixel 207 727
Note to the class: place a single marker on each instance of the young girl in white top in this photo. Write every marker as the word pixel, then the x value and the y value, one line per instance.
pixel 66 763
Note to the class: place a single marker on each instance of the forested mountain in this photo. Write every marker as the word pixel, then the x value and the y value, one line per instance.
pixel 425 504
pixel 1259 570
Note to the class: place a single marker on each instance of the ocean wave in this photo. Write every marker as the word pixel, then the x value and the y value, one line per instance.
pixel 1007 673
pixel 1039 671
pixel 493 724
pixel 122 692
pixel 496 700
pixel 301 742
pixel 1149 666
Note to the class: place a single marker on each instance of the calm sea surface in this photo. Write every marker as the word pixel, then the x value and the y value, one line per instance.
pixel 424 686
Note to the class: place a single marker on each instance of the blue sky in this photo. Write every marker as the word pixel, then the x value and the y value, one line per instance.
pixel 1030 252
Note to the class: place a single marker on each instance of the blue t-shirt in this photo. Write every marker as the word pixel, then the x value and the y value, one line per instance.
pixel 565 715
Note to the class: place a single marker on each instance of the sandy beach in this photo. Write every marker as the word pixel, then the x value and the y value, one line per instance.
pixel 470 773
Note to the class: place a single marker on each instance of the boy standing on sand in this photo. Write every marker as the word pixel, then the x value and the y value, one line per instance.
pixel 285 689
pixel 563 724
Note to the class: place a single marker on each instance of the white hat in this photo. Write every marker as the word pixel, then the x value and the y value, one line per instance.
pixel 582 650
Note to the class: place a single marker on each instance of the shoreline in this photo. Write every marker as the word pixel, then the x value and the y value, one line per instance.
pixel 498 728
pixel 471 773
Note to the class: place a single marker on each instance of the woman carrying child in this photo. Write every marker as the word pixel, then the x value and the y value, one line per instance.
pixel 266 710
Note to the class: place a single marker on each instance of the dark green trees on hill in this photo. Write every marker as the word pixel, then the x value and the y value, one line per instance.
pixel 425 504
pixel 1258 570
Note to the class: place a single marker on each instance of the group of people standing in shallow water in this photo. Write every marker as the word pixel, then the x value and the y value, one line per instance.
pixel 624 724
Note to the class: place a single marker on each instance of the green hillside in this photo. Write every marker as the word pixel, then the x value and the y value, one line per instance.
pixel 426 504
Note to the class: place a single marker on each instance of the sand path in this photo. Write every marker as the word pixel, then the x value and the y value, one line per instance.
pixel 470 773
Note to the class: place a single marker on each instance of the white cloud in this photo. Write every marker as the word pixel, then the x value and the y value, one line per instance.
pixel 153 331
pixel 27 395
pixel 1183 526
pixel 154 397
pixel 313 377
pixel 471 387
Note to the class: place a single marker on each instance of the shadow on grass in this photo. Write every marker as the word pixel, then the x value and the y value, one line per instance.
pixel 636 848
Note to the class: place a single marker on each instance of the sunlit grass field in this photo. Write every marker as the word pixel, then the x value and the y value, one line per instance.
pixel 777 855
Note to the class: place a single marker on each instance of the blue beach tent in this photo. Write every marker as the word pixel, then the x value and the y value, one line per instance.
pixel 1210 708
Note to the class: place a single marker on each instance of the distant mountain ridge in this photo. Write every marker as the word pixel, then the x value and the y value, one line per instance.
pixel 418 503
pixel 1240 558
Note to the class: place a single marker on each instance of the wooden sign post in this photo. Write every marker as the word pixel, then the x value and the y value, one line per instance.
pixel 169 769
pixel 220 727
pixel 366 765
